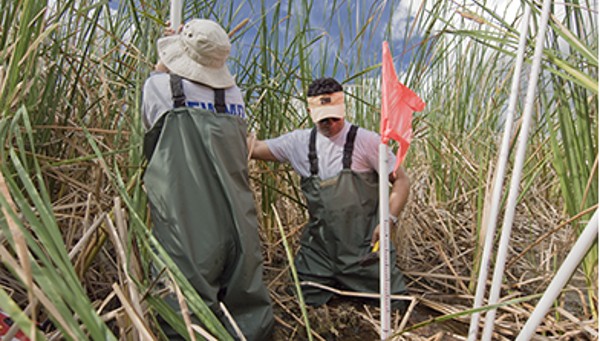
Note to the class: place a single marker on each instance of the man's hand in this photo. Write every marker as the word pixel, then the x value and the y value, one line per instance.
pixel 169 31
pixel 375 236
pixel 250 141
pixel 393 226
pixel 258 149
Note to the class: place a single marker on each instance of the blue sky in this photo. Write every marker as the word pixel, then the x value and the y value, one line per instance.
pixel 336 30
pixel 338 22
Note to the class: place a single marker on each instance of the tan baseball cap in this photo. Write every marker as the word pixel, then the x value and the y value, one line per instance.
pixel 326 106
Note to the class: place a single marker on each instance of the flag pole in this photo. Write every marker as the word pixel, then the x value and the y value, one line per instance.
pixel 384 242
pixel 175 13
pixel 397 105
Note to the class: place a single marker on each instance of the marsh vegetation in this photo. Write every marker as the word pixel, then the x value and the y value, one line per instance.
pixel 75 239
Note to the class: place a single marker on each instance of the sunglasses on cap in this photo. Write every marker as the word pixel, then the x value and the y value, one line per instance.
pixel 330 120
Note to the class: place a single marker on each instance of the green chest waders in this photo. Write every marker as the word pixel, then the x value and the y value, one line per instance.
pixel 343 214
pixel 203 211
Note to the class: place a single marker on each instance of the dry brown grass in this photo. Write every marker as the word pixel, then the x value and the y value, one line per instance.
pixel 436 248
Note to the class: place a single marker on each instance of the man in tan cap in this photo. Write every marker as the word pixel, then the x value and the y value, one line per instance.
pixel 338 163
pixel 197 177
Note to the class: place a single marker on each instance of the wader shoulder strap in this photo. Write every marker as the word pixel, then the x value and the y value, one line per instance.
pixel 312 152
pixel 151 136
pixel 348 150
pixel 349 147
pixel 179 96
pixel 220 101
pixel 177 91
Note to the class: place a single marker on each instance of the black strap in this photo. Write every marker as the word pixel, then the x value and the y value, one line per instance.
pixel 349 147
pixel 348 150
pixel 177 91
pixel 151 137
pixel 179 96
pixel 312 152
pixel 220 101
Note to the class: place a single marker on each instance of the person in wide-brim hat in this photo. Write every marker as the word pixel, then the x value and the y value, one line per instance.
pixel 196 180
pixel 198 53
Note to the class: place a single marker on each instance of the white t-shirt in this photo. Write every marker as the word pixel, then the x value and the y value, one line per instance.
pixel 293 148
pixel 157 98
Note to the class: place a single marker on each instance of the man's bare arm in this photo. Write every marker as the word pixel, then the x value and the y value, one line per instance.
pixel 399 192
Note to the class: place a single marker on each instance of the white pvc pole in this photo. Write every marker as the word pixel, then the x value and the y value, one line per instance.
pixel 176 11
pixel 516 176
pixel 499 179
pixel 384 242
pixel 566 270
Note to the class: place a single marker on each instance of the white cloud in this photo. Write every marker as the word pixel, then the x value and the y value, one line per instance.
pixel 403 16
pixel 406 12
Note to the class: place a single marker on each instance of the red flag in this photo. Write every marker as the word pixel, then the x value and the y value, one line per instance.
pixel 5 324
pixel 397 105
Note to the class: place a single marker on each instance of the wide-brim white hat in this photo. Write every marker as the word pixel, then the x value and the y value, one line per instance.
pixel 198 53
